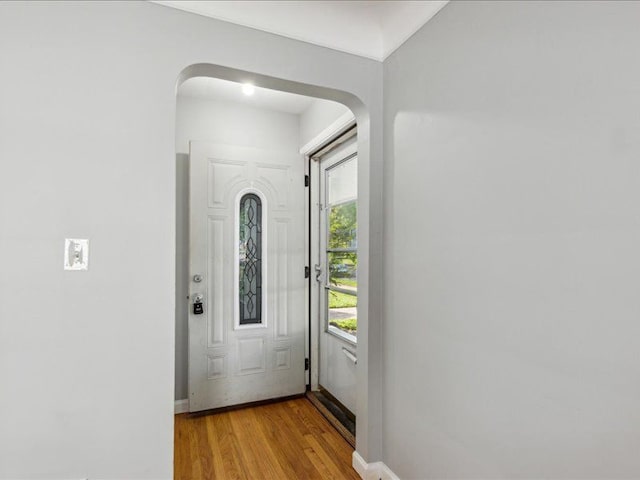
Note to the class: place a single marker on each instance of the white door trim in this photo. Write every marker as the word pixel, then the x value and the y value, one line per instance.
pixel 313 249
pixel 333 131
pixel 344 123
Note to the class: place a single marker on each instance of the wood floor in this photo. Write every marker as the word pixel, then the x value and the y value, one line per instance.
pixel 286 440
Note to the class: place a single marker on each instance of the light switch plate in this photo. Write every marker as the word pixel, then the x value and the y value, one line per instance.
pixel 76 254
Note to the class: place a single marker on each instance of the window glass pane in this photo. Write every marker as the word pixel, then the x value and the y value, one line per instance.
pixel 250 259
pixel 342 182
pixel 343 225
pixel 341 249
pixel 343 314
pixel 343 268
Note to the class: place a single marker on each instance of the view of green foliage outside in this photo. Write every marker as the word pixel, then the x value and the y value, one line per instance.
pixel 343 265
pixel 349 325
pixel 342 300
pixel 343 223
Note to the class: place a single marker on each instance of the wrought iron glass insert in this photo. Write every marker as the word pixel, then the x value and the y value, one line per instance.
pixel 250 259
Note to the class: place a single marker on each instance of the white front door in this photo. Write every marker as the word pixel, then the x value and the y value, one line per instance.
pixel 337 286
pixel 246 269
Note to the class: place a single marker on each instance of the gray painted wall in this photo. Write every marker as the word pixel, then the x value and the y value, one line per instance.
pixel 512 258
pixel 87 148
pixel 216 122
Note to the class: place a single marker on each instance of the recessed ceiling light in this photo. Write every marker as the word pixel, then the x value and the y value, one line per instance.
pixel 248 89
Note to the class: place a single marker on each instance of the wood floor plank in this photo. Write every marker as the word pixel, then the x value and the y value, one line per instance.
pixel 229 449
pixel 216 451
pixel 324 437
pixel 183 466
pixel 344 463
pixel 204 450
pixel 325 457
pixel 194 451
pixel 281 441
pixel 322 470
pixel 282 468
pixel 288 443
pixel 326 440
pixel 258 457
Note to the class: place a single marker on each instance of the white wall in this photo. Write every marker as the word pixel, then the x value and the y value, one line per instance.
pixel 87 150
pixel 317 117
pixel 512 225
pixel 216 122
pixel 234 123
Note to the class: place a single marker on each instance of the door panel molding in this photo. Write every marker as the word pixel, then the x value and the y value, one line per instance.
pixel 215 273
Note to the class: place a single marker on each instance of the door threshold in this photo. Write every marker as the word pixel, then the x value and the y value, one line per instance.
pixel 230 408
pixel 335 415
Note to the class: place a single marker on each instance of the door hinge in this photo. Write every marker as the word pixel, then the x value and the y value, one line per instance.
pixel 306 364
pixel 306 180
pixel 307 272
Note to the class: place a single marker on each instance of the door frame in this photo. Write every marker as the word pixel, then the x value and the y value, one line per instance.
pixel 370 207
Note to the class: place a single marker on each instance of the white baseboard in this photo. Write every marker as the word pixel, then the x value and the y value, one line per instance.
pixel 386 473
pixel 181 406
pixel 372 471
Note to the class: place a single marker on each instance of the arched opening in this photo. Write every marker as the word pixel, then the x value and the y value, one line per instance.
pixel 219 366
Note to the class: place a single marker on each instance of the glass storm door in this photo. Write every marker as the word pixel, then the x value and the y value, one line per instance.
pixel 338 261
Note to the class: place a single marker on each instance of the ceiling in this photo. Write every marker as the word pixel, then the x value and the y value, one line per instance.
pixel 372 29
pixel 263 98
